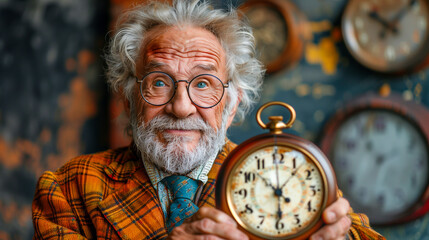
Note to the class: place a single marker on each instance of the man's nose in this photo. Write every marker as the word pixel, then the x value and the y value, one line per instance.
pixel 181 105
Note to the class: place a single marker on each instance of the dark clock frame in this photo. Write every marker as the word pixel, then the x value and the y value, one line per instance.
pixel 417 115
pixel 291 17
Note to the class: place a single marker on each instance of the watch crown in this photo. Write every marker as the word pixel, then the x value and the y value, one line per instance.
pixel 276 124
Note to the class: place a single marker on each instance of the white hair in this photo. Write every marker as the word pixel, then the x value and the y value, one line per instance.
pixel 244 71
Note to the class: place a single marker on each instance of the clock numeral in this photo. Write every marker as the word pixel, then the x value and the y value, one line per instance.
pixel 313 190
pixel 278 158
pixel 249 177
pixel 380 200
pixel 249 209
pixel 279 225
pixel 350 145
pixel 309 208
pixel 297 219
pixel 308 174
pixel 294 162
pixel 262 217
pixel 261 163
pixel 242 192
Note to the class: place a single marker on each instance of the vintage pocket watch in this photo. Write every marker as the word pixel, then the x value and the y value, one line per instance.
pixel 276 185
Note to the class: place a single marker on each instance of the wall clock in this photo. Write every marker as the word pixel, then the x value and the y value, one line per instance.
pixel 387 36
pixel 379 149
pixel 276 185
pixel 276 27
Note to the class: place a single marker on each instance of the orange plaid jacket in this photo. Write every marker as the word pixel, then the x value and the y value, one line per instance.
pixel 108 195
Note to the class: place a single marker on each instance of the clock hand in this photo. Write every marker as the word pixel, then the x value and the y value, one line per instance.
pixel 386 24
pixel 267 182
pixel 277 165
pixel 291 175
pixel 277 190
pixel 287 199
pixel 394 22
pixel 402 12
pixel 279 208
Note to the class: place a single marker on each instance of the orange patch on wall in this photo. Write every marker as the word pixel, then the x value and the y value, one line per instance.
pixel 85 59
pixel 4 235
pixel 70 64
pixel 12 155
pixel 75 108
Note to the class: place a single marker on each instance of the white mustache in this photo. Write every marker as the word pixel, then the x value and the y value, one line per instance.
pixel 164 122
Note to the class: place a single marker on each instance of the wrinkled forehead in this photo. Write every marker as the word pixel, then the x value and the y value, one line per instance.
pixel 183 43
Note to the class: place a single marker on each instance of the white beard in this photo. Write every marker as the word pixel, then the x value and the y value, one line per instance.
pixel 173 156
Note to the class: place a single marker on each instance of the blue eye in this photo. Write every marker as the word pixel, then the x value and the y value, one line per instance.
pixel 202 85
pixel 159 83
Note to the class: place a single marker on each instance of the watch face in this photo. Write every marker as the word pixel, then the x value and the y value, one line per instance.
pixel 387 35
pixel 276 192
pixel 381 162
pixel 270 32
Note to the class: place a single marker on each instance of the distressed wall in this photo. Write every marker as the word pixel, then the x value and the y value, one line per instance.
pixel 52 96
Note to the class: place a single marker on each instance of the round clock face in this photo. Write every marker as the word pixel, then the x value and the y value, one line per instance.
pixel 381 161
pixel 276 192
pixel 387 35
pixel 270 31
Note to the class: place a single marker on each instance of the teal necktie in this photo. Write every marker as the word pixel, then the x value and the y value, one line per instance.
pixel 183 190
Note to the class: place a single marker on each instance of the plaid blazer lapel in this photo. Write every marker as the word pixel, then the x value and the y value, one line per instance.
pixel 133 210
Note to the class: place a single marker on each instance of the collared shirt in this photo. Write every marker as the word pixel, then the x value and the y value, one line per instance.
pixel 164 194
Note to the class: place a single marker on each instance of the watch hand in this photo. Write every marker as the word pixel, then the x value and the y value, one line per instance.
pixel 292 174
pixel 386 24
pixel 287 199
pixel 279 209
pixel 402 12
pixel 267 182
pixel 277 165
pixel 277 190
pixel 394 22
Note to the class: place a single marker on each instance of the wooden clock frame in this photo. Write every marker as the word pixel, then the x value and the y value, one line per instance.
pixel 292 18
pixel 414 113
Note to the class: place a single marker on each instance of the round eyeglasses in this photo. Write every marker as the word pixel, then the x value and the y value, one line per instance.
pixel 204 90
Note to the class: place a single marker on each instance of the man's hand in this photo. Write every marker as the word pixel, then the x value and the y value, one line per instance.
pixel 208 223
pixel 336 220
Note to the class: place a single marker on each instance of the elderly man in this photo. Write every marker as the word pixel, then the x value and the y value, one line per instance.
pixel 185 70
